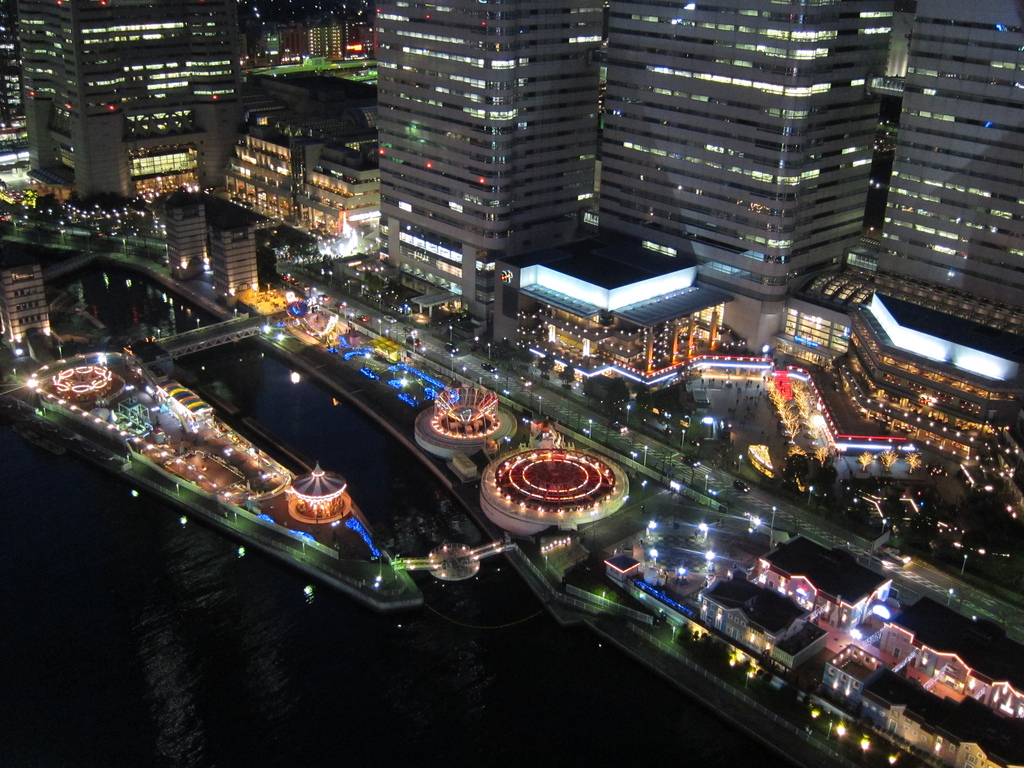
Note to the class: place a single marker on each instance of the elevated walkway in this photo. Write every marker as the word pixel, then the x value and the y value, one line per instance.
pixel 209 336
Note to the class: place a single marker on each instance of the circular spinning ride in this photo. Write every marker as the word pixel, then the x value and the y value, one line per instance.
pixel 533 489
pixel 86 383
pixel 319 497
pixel 462 420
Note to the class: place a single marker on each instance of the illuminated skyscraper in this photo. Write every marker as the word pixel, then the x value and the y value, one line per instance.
pixel 133 96
pixel 488 134
pixel 742 131
pixel 956 202
pixel 12 116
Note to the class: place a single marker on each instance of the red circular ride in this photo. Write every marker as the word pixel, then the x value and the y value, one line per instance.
pixel 554 478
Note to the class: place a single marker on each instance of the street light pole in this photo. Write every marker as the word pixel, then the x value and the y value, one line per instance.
pixel 645 455
pixel 964 564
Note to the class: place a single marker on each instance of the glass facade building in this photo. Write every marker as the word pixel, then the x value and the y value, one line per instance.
pixel 488 134
pixel 742 131
pixel 12 115
pixel 132 97
pixel 955 206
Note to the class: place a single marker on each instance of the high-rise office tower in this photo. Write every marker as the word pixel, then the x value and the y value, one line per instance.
pixel 12 115
pixel 133 96
pixel 955 213
pixel 488 120
pixel 742 130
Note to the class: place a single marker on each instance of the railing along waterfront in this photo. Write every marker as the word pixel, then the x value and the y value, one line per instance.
pixel 809 736
pixel 609 606
pixel 322 558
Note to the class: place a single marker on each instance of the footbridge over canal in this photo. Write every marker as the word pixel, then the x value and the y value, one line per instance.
pixel 235 329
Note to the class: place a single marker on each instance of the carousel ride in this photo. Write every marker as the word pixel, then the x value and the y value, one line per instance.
pixel 319 497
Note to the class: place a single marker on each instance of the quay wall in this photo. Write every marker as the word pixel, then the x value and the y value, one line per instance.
pixel 355 578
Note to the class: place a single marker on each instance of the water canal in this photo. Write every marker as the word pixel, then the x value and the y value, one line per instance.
pixel 131 639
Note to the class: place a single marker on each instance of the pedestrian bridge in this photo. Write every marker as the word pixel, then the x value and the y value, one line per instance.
pixel 454 562
pixel 235 329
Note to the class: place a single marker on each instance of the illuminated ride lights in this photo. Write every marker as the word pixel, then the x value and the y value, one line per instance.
pixel 532 489
pixel 319 497
pixel 551 479
pixel 462 420
pixel 465 412
pixel 86 382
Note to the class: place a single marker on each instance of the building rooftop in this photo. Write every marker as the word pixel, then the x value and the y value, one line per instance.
pixel 894 690
pixel 833 571
pixel 958 330
pixel 615 276
pixel 226 215
pixel 682 303
pixel 763 607
pixel 980 644
pixel 856 662
pixel 607 262
pixel 622 562
pixel 181 197
pixel 805 636
pixel 967 721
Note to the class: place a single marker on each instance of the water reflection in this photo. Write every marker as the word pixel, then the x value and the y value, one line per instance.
pixel 118 305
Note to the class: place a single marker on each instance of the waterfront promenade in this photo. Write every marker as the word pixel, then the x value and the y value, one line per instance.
pixel 652 649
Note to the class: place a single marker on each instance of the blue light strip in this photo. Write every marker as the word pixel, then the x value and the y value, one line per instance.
pixel 354 525
pixel 645 587
pixel 420 374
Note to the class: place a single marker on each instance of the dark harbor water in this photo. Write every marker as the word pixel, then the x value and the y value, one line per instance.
pixel 119 305
pixel 131 639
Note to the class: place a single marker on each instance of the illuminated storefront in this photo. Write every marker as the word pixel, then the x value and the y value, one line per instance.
pixel 944 380
pixel 606 305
